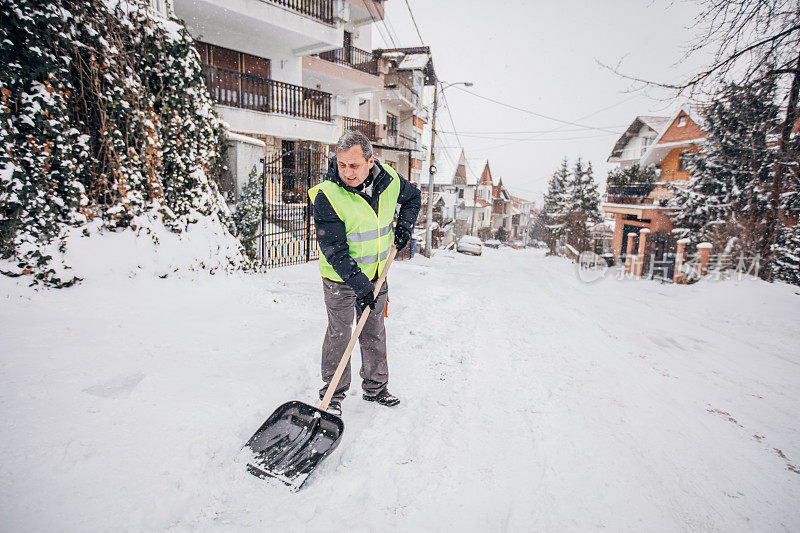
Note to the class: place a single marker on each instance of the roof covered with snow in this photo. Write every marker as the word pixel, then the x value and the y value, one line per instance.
pixel 453 167
pixel 414 62
pixel 654 123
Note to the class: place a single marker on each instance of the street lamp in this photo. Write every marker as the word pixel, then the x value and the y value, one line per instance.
pixel 432 168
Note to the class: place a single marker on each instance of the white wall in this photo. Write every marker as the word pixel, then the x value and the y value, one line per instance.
pixel 241 158
pixel 636 147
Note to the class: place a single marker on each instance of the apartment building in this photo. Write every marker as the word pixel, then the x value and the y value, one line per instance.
pixel 285 75
pixel 399 108
pixel 288 77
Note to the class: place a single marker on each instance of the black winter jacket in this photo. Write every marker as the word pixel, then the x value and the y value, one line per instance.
pixel 331 234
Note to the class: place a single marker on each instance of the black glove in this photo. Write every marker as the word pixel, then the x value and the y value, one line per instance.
pixel 401 236
pixel 368 300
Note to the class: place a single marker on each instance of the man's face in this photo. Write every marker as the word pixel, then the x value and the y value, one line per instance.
pixel 353 168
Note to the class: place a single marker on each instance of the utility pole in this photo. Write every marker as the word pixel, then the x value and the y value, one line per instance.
pixel 431 173
pixel 432 168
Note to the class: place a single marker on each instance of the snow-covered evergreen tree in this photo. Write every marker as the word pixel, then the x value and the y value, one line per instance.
pixel 581 205
pixel 787 255
pixel 727 199
pixel 501 234
pixel 246 219
pixel 571 204
pixel 555 206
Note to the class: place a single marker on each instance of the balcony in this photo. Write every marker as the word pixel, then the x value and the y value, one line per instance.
pixel 353 57
pixel 399 84
pixel 365 11
pixel 398 139
pixel 235 89
pixel 266 28
pixel 370 129
pixel 321 10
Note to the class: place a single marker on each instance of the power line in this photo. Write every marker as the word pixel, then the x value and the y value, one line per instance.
pixel 390 27
pixel 489 148
pixel 556 130
pixel 498 102
pixel 530 138
pixel 375 21
pixel 455 132
pixel 415 23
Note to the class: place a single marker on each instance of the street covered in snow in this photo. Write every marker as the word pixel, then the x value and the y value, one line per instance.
pixel 531 401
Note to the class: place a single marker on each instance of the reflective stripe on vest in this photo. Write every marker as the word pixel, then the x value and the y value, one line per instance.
pixel 369 235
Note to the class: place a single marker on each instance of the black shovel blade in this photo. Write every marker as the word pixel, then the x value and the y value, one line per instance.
pixel 292 441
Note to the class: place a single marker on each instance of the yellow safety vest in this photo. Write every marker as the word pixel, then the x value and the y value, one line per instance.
pixel 369 235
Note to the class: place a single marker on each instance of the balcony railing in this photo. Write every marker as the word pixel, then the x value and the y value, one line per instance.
pixel 632 193
pixel 370 129
pixel 321 10
pixel 394 81
pixel 631 190
pixel 232 88
pixel 631 200
pixel 353 57
pixel 399 139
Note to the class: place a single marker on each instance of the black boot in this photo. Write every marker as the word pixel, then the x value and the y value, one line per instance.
pixel 384 397
pixel 335 408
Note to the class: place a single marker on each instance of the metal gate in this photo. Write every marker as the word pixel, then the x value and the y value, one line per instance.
pixel 659 256
pixel 288 236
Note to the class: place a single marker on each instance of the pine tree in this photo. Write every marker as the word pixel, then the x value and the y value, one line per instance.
pixel 502 234
pixel 787 255
pixel 727 200
pixel 555 206
pixel 581 205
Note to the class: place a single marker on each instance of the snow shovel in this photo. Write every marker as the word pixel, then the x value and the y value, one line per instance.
pixel 297 436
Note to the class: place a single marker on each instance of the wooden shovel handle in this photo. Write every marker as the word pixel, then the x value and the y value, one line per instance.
pixel 364 316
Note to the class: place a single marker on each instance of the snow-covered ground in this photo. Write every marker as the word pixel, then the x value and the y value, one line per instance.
pixel 531 402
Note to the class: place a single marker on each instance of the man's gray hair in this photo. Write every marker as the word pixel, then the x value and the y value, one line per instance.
pixel 351 138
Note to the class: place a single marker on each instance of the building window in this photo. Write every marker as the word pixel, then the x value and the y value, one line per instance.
pixel 461 193
pixel 233 60
pixel 391 125
pixel 681 121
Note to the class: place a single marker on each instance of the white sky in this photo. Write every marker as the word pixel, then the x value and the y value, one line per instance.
pixel 542 56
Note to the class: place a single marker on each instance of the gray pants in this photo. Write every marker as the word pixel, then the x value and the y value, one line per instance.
pixel 340 300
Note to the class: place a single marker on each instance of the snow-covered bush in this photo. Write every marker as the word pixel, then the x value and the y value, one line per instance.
pixel 105 117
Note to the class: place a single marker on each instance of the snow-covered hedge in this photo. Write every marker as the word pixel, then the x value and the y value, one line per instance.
pixel 105 122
